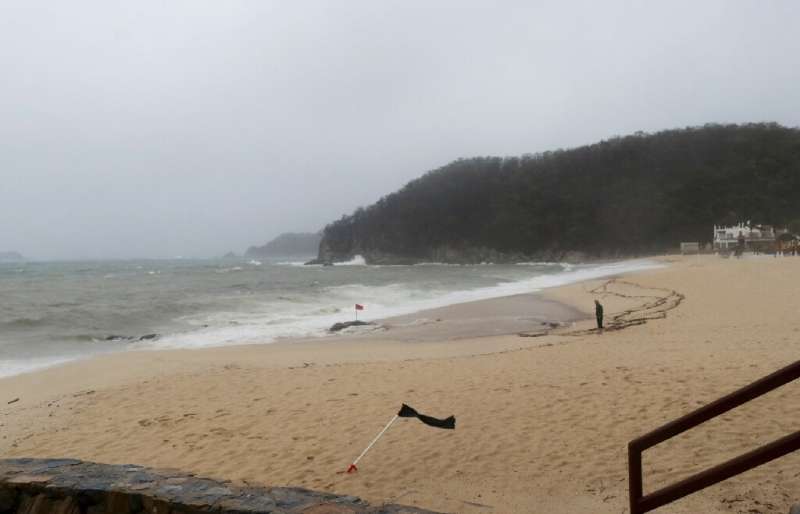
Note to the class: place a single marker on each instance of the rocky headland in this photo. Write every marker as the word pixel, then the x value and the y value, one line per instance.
pixel 11 257
pixel 641 194
pixel 287 244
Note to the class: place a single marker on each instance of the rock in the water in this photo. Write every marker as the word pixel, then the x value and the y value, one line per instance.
pixel 347 324
pixel 146 337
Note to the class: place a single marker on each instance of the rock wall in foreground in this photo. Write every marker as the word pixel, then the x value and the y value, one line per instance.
pixel 66 486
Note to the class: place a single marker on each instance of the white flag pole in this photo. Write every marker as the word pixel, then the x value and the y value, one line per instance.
pixel 352 466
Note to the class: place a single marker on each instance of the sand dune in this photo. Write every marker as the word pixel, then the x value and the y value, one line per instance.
pixel 543 422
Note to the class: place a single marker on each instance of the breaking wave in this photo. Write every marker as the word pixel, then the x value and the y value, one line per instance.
pixel 357 260
pixel 60 317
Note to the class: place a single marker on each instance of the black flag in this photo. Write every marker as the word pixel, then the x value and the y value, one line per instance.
pixel 408 412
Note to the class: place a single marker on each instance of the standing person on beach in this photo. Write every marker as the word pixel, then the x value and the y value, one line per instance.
pixel 598 312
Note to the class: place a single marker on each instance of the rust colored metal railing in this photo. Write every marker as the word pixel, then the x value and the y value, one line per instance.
pixel 645 503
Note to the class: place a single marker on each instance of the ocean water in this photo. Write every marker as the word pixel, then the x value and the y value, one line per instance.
pixel 54 312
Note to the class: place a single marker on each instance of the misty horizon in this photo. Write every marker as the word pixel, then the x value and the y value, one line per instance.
pixel 195 129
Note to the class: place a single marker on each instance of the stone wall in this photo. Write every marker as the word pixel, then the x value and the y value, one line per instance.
pixel 65 486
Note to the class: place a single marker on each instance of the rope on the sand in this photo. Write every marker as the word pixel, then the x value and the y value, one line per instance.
pixel 656 308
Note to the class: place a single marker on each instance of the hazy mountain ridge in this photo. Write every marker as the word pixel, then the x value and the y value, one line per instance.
pixel 287 244
pixel 11 257
pixel 633 195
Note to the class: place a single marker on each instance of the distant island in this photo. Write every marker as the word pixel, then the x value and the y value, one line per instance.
pixel 11 257
pixel 287 245
pixel 626 196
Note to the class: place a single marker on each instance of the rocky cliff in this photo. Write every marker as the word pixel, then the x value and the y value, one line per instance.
pixel 329 254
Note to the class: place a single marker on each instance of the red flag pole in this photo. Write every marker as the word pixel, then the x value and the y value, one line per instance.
pixel 356 312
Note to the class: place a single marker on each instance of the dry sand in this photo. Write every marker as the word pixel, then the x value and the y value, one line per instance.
pixel 543 422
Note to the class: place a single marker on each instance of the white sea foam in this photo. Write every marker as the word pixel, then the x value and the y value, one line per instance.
pixel 357 260
pixel 312 316
pixel 284 303
pixel 10 367
pixel 395 299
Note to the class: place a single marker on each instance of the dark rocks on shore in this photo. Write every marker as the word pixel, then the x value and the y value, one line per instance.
pixel 146 337
pixel 318 262
pixel 67 486
pixel 465 255
pixel 347 324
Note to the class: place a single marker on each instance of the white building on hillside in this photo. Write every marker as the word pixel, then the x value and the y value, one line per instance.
pixel 728 237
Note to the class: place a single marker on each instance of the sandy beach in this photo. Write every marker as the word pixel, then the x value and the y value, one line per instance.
pixel 543 422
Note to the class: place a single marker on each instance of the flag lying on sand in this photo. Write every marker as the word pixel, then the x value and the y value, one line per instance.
pixel 406 412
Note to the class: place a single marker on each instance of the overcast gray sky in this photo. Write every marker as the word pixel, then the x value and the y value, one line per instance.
pixel 157 129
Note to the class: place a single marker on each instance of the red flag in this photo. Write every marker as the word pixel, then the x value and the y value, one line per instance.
pixel 359 307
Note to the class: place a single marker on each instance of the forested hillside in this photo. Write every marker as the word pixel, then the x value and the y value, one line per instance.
pixel 631 195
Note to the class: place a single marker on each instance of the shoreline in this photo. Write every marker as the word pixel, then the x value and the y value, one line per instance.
pixel 543 422
pixel 507 316
pixel 438 332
